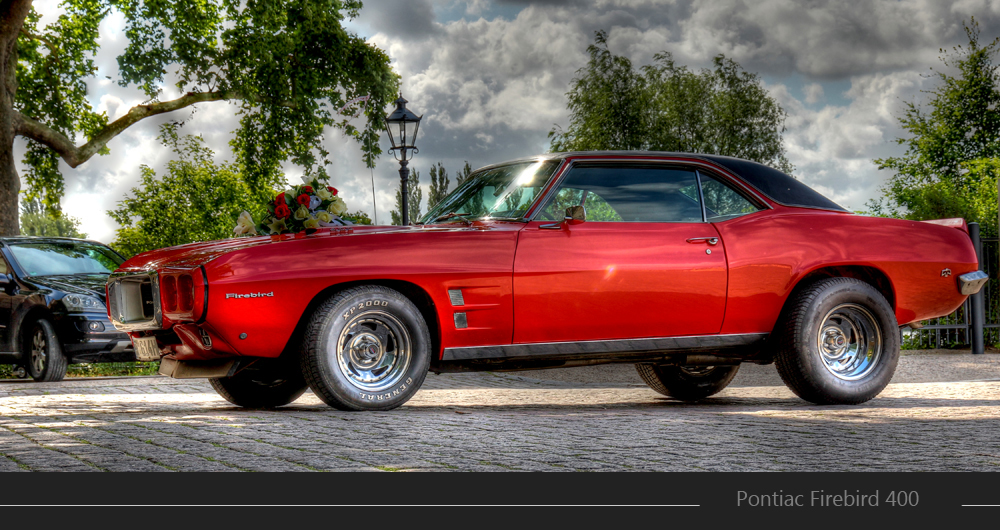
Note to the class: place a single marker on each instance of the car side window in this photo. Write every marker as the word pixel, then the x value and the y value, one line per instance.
pixel 722 202
pixel 598 209
pixel 636 194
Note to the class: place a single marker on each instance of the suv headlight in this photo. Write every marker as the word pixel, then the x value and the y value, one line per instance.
pixel 79 303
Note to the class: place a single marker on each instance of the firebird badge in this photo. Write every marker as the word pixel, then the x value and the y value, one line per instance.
pixel 249 295
pixel 946 272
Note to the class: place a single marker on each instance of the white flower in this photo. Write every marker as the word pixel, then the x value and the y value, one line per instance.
pixel 244 225
pixel 277 226
pixel 302 213
pixel 337 206
pixel 324 194
pixel 324 217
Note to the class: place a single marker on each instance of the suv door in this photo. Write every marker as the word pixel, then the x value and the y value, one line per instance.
pixel 643 264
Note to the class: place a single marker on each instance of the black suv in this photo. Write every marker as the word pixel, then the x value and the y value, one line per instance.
pixel 52 312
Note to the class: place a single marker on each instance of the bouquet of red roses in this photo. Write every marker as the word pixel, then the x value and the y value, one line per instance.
pixel 304 207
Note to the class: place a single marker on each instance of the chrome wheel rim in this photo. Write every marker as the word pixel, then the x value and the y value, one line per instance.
pixel 849 342
pixel 373 351
pixel 38 351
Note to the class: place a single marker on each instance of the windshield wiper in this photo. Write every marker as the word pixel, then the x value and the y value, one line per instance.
pixel 451 215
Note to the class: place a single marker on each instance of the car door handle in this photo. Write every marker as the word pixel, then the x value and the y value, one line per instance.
pixel 709 240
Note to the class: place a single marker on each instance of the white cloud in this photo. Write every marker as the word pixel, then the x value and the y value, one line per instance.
pixel 813 92
pixel 490 87
pixel 833 147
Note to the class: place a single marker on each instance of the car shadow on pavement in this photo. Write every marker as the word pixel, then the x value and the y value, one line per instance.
pixel 713 406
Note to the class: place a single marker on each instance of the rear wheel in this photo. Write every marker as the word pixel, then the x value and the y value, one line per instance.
pixel 366 348
pixel 687 383
pixel 262 385
pixel 43 358
pixel 838 342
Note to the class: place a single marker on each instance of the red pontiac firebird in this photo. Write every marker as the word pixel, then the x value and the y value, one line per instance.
pixel 685 265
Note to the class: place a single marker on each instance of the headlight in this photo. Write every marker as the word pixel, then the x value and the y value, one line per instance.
pixel 79 303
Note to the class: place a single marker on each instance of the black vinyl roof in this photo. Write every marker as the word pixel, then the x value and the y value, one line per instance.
pixel 777 186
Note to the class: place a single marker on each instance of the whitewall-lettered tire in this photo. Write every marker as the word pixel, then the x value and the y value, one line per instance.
pixel 366 348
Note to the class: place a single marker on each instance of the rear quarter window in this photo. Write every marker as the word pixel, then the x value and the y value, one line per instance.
pixel 778 186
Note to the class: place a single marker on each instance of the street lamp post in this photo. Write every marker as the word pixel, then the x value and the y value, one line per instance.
pixel 402 127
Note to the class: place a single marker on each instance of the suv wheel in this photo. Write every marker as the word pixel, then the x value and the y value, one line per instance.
pixel 366 348
pixel 838 343
pixel 43 358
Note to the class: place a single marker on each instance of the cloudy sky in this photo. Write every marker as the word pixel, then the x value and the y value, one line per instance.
pixel 490 77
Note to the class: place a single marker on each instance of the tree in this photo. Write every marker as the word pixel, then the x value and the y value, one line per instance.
pixel 954 141
pixel 289 64
pixel 439 185
pixel 667 107
pixel 359 218
pixel 36 221
pixel 413 199
pixel 197 200
pixel 463 175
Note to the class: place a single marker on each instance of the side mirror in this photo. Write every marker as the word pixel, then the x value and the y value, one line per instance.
pixel 576 214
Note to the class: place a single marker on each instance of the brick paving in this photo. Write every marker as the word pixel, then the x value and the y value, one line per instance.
pixel 496 422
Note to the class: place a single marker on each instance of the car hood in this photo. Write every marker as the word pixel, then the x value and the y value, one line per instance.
pixel 90 284
pixel 194 255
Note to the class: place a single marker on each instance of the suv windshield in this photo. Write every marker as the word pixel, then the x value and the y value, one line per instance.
pixel 504 192
pixel 52 258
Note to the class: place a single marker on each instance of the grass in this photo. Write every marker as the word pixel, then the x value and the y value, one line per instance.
pixel 96 369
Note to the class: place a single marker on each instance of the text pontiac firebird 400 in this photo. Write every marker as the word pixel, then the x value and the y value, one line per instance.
pixel 685 265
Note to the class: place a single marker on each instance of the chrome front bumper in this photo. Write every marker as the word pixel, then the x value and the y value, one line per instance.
pixel 972 282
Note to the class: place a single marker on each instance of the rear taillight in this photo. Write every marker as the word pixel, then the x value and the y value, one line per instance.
pixel 199 294
pixel 168 294
pixel 183 295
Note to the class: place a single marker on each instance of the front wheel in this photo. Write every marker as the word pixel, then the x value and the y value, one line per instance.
pixel 838 343
pixel 687 383
pixel 264 384
pixel 366 348
pixel 43 357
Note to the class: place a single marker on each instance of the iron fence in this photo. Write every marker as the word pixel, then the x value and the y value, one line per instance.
pixel 957 329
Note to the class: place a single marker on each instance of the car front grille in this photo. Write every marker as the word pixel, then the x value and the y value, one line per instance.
pixel 134 301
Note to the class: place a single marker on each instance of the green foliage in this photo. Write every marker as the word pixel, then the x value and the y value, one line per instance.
pixel 463 175
pixel 290 64
pixel 37 221
pixel 953 145
pixel 197 200
pixel 439 185
pixel 666 107
pixel 358 218
pixel 51 67
pixel 413 199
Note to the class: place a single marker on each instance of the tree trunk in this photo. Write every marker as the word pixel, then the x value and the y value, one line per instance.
pixel 12 14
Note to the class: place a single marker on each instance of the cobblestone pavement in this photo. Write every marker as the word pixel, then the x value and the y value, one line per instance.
pixel 496 422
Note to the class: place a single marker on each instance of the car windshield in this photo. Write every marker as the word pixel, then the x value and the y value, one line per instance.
pixel 51 258
pixel 504 192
